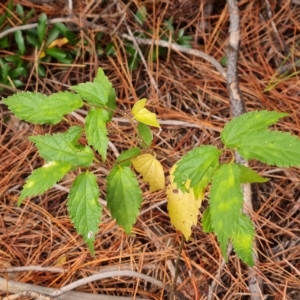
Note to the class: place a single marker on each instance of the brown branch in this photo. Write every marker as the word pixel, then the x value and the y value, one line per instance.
pixel 236 102
pixel 238 108
pixel 10 286
pixel 177 48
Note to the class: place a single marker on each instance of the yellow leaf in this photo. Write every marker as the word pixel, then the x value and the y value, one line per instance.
pixel 143 115
pixel 42 54
pixel 183 207
pixel 151 169
pixel 61 261
pixel 138 106
pixel 58 42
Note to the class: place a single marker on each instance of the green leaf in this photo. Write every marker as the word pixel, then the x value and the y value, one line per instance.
pixel 249 176
pixel 111 103
pixel 204 182
pixel 133 61
pixel 62 28
pixel 2 19
pixel 29 15
pixel 73 134
pixel 33 41
pixel 223 61
pixel 66 60
pixel 42 25
pixel 124 159
pixel 145 133
pixel 20 41
pixel 124 196
pixel 96 132
pixel 4 43
pixel 65 31
pixel 84 207
pixel 141 15
pixel 107 85
pixel 226 201
pixel 41 70
pixel 19 10
pixel 43 179
pixel 13 58
pixel 271 147
pixel 52 35
pixel 110 49
pixel 185 41
pixel 206 221
pixel 168 24
pixel 10 7
pixel 180 33
pixel 4 70
pixel 40 109
pixel 102 79
pixel 239 127
pixel 195 164
pixel 242 240
pixel 56 53
pixel 17 72
pixel 17 83
pixel 93 92
pixel 71 36
pixel 59 147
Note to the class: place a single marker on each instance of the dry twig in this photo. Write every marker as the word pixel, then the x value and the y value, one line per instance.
pixel 237 106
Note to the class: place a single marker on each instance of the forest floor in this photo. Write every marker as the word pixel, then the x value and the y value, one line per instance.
pixel 191 100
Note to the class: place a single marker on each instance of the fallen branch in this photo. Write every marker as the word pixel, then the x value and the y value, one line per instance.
pixel 237 106
pixel 177 48
pixel 65 292
pixel 14 287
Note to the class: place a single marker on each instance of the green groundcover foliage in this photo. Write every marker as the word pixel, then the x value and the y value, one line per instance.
pixel 190 177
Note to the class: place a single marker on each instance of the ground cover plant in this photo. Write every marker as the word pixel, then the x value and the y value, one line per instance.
pixel 191 100
pixel 48 44
pixel 62 152
pixel 58 44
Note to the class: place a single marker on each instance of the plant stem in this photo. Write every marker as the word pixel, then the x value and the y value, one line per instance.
pixel 173 286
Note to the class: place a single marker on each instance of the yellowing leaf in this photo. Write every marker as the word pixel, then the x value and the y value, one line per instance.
pixel 151 169
pixel 42 54
pixel 138 106
pixel 143 115
pixel 61 261
pixel 183 207
pixel 58 42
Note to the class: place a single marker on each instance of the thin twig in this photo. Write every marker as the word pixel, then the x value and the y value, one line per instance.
pixel 30 294
pixel 236 102
pixel 238 108
pixel 270 16
pixel 213 284
pixel 34 25
pixel 173 287
pixel 33 268
pixel 70 7
pixel 100 276
pixel 15 287
pixel 177 48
